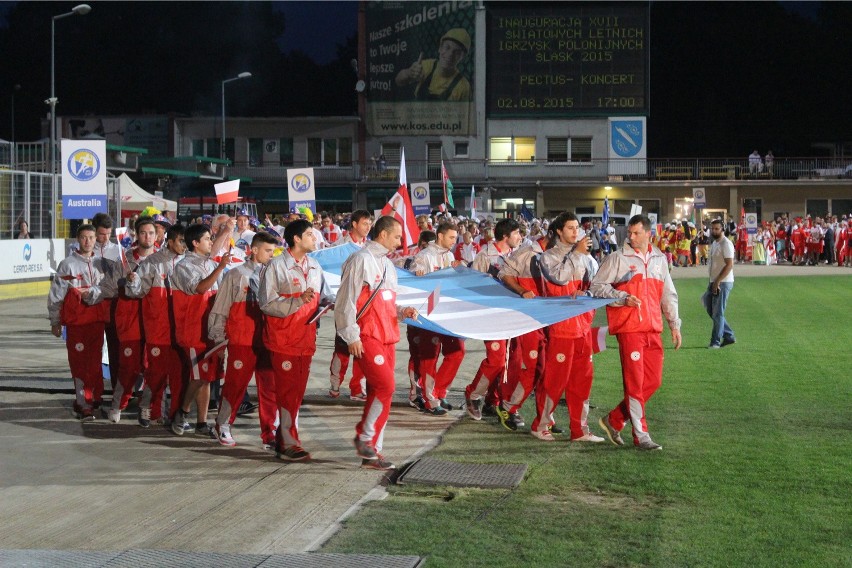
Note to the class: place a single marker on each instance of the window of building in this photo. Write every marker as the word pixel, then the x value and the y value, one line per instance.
pixel 198 148
pixel 285 152
pixel 461 149
pixel 581 149
pixel 564 150
pixel 512 149
pixel 255 152
pixel 214 148
pixel 391 152
pixel 329 151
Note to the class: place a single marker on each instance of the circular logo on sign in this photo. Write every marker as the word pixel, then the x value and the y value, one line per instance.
pixel 699 194
pixel 751 219
pixel 300 183
pixel 286 365
pixel 155 351
pixel 435 341
pixel 379 360
pixel 84 165
pixel 533 354
pixel 128 351
pixel 560 357
pixel 238 364
pixel 495 346
pixel 79 347
pixel 635 356
pixel 420 192
pixel 28 252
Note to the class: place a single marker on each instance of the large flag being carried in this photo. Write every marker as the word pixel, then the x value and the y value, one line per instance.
pixel 472 304
pixel 448 186
pixel 400 207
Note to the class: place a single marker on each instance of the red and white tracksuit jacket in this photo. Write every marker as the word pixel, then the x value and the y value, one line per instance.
pixel 627 272
pixel 489 260
pixel 425 346
pixel 75 301
pixel 192 312
pixel 151 284
pixel 527 351
pixel 363 273
pixel 568 367
pixel 332 233
pixel 287 334
pixel 236 316
pixel 126 317
pixel 340 355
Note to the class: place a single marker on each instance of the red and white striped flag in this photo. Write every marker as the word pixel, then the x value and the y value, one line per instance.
pixel 400 207
pixel 599 338
pixel 227 191
pixel 433 299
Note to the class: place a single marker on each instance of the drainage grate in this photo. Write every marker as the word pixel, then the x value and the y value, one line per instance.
pixel 21 558
pixel 430 471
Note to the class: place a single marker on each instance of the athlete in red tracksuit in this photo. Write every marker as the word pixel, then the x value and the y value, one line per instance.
pixel 126 315
pixel 195 281
pixel 567 269
pixel 292 289
pixel 236 317
pixel 150 282
pixel 490 260
pixel 361 222
pixel 435 381
pixel 74 301
pixel 522 274
pixel 366 318
pixel 637 274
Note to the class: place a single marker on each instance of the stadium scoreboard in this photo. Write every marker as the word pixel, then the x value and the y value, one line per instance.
pixel 567 59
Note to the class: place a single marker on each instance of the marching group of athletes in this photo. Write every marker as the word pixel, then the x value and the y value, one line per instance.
pixel 173 306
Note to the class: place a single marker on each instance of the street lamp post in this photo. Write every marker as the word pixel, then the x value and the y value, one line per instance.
pixel 243 75
pixel 79 10
pixel 15 89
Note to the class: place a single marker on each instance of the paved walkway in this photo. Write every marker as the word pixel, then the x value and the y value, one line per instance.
pixel 99 486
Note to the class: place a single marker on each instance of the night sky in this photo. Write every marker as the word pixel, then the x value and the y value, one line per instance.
pixel 726 78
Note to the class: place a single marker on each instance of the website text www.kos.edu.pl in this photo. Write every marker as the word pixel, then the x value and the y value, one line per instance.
pixel 411 125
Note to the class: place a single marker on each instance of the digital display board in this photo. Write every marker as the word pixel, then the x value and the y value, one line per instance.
pixel 567 59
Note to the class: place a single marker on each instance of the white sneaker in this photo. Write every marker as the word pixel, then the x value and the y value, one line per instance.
pixel 223 434
pixel 114 415
pixel 545 436
pixel 589 437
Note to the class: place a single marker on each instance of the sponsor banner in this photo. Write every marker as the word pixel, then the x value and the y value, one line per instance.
pixel 627 145
pixel 84 190
pixel 700 197
pixel 420 197
pixel 751 223
pixel 301 190
pixel 30 258
pixel 420 68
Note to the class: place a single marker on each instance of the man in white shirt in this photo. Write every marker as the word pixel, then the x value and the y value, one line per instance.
pixel 721 284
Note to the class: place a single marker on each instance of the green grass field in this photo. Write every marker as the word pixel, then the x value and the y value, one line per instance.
pixel 756 468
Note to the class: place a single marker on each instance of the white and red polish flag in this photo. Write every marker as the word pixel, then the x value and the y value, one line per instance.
pixel 227 191
pixel 433 299
pixel 599 338
pixel 400 207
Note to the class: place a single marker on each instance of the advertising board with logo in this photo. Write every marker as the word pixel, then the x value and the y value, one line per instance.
pixel 84 190
pixel 301 190
pixel 30 258
pixel 420 68
pixel 627 146
pixel 420 198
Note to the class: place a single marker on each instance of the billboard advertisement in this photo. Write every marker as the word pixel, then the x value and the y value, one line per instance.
pixel 84 190
pixel 420 68
pixel 567 59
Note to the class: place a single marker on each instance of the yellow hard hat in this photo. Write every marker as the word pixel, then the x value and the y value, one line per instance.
pixel 458 35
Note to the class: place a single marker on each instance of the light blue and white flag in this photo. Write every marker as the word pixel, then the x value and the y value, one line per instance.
pixel 473 305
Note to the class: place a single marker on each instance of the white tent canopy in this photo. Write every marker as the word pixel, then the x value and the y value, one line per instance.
pixel 134 198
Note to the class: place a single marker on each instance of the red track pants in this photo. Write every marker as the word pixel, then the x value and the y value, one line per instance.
pixel 642 371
